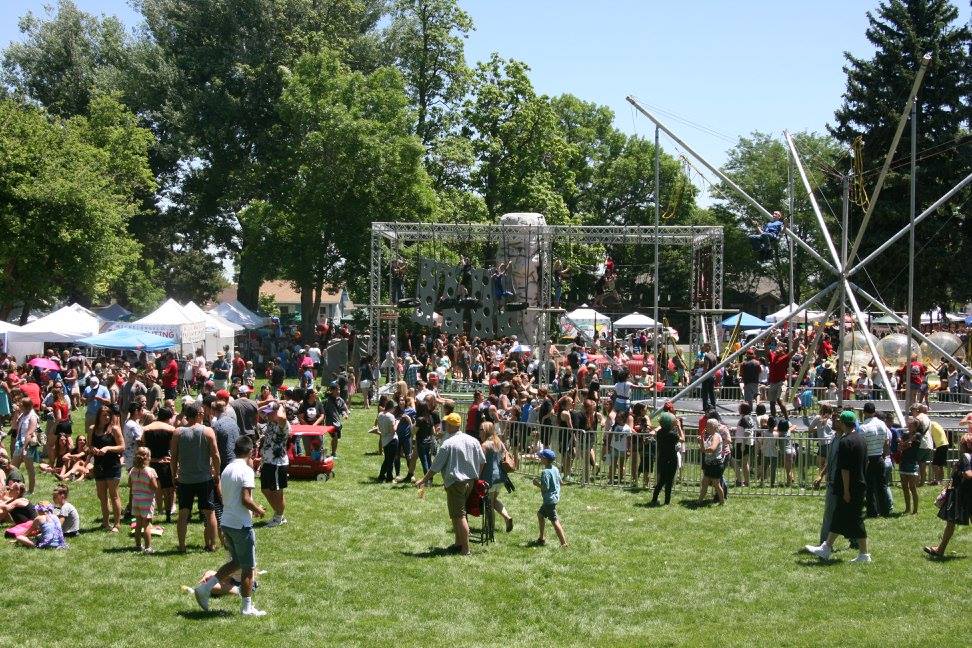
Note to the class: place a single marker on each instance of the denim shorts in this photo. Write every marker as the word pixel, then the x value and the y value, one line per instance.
pixel 241 544
pixel 548 511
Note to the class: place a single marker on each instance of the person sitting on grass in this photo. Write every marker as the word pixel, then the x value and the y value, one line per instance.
pixel 549 483
pixel 66 512
pixel 80 464
pixel 45 531
pixel 957 505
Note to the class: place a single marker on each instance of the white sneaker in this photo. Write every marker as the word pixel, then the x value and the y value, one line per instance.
pixel 252 611
pixel 274 521
pixel 862 558
pixel 202 597
pixel 822 551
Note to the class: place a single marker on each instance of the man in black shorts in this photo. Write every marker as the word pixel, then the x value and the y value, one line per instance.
pixel 195 467
pixel 274 461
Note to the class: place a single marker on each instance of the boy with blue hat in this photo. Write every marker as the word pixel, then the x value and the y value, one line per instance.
pixel 549 483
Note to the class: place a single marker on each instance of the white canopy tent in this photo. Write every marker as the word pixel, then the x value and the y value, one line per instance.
pixel 172 321
pixel 220 333
pixel 588 317
pixel 634 321
pixel 6 327
pixel 65 325
pixel 237 313
pixel 813 317
pixel 937 317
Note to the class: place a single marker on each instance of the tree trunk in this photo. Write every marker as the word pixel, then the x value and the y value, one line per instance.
pixel 248 286
pixel 25 312
pixel 310 308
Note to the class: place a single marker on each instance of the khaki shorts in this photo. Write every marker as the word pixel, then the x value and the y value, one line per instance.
pixel 456 496
pixel 776 391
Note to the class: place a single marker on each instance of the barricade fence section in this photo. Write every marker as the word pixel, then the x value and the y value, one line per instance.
pixel 763 465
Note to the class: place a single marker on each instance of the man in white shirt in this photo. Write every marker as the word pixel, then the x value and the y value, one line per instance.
pixel 877 437
pixel 237 483
pixel 460 460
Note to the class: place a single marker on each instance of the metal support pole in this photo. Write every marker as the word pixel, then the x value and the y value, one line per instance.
pixel 918 219
pixel 789 197
pixel 803 244
pixel 759 338
pixel 654 390
pixel 918 334
pixel 813 201
pixel 909 107
pixel 845 215
pixel 872 346
pixel 911 244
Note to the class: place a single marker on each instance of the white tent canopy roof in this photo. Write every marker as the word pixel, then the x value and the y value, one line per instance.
pixel 585 315
pixel 634 321
pixel 72 322
pixel 936 316
pixel 239 314
pixel 224 328
pixel 7 326
pixel 170 313
pixel 65 325
pixel 808 315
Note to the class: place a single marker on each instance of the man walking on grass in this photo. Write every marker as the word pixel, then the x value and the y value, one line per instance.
pixel 460 460
pixel 877 437
pixel 237 483
pixel 848 488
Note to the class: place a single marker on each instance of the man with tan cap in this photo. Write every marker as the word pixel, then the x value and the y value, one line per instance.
pixel 460 460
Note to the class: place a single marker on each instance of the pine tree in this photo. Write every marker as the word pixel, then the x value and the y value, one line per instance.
pixel 902 31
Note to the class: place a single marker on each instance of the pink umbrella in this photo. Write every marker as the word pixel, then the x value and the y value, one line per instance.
pixel 45 363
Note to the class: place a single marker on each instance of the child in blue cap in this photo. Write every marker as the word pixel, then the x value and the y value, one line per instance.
pixel 549 483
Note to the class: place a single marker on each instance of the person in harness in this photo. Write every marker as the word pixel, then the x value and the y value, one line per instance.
pixel 762 243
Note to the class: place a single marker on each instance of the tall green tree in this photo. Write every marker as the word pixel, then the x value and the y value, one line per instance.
pixel 353 159
pixel 521 156
pixel 66 60
pixel 902 31
pixel 224 63
pixel 67 191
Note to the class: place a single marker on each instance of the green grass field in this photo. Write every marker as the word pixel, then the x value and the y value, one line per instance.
pixel 356 566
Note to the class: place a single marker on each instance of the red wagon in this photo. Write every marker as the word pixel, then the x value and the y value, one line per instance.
pixel 306 452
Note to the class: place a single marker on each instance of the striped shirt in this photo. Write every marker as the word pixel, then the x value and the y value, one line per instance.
pixel 142 493
pixel 875 433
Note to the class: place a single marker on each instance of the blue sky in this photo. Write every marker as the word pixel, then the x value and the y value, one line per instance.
pixel 733 66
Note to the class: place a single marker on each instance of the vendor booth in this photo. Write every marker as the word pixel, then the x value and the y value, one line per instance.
pixel 170 320
pixel 220 333
pixel 66 325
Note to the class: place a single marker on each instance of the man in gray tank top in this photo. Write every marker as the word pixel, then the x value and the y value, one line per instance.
pixel 195 470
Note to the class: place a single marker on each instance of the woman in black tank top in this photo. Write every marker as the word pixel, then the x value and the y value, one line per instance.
pixel 107 444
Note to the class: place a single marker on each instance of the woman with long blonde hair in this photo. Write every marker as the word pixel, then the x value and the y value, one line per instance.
pixel 492 471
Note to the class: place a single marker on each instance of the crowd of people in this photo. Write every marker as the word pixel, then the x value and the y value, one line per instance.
pixel 188 439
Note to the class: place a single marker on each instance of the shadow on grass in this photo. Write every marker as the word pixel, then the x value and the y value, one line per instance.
pixel 126 549
pixel 201 615
pixel 693 504
pixel 650 505
pixel 431 552
pixel 942 559
pixel 816 562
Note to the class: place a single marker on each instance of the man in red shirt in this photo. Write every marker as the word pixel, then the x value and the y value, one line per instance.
pixel 916 375
pixel 170 376
pixel 32 391
pixel 239 365
pixel 779 365
pixel 472 416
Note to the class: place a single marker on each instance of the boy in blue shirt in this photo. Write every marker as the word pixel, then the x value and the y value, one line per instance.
pixel 549 483
pixel 762 242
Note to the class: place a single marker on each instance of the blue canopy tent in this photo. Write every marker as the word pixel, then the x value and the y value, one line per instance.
pixel 748 322
pixel 127 339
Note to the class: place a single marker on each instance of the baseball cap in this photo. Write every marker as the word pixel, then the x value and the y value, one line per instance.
pixel 848 417
pixel 222 395
pixel 453 419
pixel 547 454
pixel 93 381
pixel 244 389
